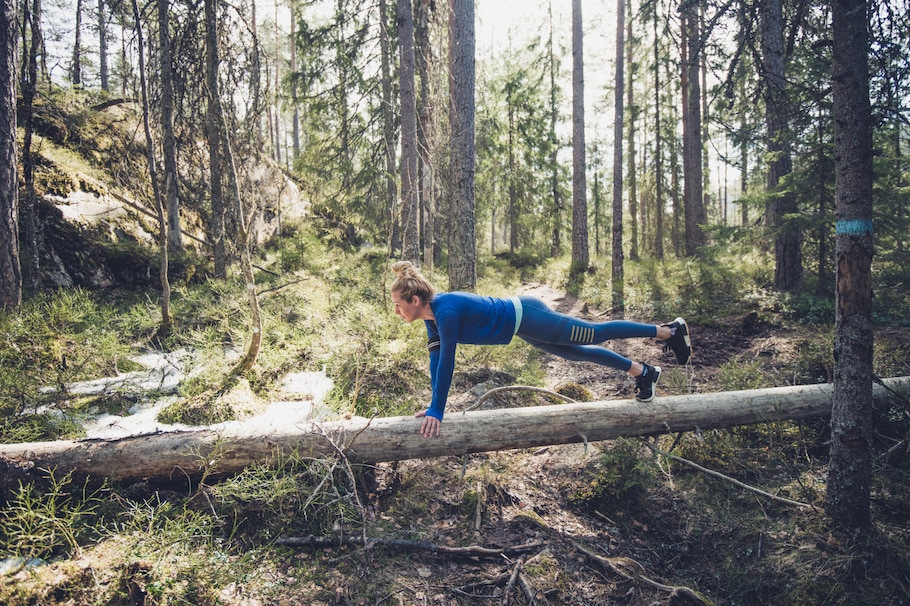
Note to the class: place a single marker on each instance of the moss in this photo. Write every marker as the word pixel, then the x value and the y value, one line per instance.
pixel 575 391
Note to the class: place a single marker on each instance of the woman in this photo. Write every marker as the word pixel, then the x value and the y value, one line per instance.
pixel 461 317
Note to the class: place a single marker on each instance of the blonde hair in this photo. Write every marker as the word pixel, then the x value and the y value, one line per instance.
pixel 410 282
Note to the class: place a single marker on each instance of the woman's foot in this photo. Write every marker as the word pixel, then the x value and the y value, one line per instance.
pixel 646 382
pixel 679 340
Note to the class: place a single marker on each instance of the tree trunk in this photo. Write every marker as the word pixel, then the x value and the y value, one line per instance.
pixel 635 238
pixel 787 252
pixel 245 221
pixel 295 117
pixel 556 242
pixel 10 270
pixel 743 156
pixel 825 282
pixel 388 126
pixel 617 276
pixel 235 445
pixel 276 127
pixel 510 177
pixel 169 142
pixel 30 232
pixel 127 79
pixel 693 195
pixel 580 254
pixel 676 230
pixel 598 208
pixel 423 54
pixel 255 100
pixel 217 225
pixel 165 326
pixel 410 208
pixel 103 70
pixel 462 239
pixel 658 157
pixel 76 66
pixel 850 466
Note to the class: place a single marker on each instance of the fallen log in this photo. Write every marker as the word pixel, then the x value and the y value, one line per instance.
pixel 229 448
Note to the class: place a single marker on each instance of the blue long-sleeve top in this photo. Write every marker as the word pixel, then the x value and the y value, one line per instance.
pixel 462 317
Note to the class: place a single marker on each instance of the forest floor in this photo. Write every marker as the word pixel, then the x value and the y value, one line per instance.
pixel 582 524
pixel 594 525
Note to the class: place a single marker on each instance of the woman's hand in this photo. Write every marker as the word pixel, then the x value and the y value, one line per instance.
pixel 430 426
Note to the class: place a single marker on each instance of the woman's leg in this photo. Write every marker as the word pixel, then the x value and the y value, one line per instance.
pixel 541 324
pixel 646 376
pixel 575 339
pixel 586 353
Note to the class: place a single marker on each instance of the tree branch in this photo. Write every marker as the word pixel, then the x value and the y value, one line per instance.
pixel 405 544
pixel 721 476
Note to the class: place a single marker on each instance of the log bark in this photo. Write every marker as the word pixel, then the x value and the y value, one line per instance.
pixel 233 446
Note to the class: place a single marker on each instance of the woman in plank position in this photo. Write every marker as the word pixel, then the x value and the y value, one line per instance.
pixel 461 317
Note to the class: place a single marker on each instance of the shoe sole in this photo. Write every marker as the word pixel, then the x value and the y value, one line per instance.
pixel 653 387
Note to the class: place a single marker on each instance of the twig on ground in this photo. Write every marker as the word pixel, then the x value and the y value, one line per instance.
pixel 507 592
pixel 478 512
pixel 342 454
pixel 532 593
pixel 613 565
pixel 405 544
pixel 608 563
pixel 721 476
pixel 605 517
pixel 677 590
pixel 280 286
pixel 903 443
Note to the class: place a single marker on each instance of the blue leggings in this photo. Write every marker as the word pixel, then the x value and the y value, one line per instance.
pixel 574 339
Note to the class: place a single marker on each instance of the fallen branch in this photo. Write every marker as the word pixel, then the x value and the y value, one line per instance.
pixel 612 565
pixel 534 595
pixel 507 593
pixel 279 286
pixel 350 473
pixel 676 590
pixel 111 103
pixel 405 544
pixel 721 476
pixel 609 563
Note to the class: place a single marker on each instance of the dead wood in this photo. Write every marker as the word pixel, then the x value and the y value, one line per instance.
pixel 533 595
pixel 470 551
pixel 516 570
pixel 178 454
pixel 676 590
pixel 615 565
pixel 111 103
pixel 717 474
pixel 612 565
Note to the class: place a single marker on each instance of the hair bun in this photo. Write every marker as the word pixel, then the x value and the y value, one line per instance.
pixel 404 269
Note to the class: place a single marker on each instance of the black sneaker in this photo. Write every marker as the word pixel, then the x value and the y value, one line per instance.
pixel 646 382
pixel 679 341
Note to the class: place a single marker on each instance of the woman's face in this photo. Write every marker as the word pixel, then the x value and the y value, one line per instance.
pixel 408 310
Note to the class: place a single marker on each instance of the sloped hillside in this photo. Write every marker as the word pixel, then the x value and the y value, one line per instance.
pixel 94 199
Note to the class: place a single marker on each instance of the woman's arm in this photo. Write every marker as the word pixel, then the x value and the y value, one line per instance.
pixel 443 361
pixel 442 342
